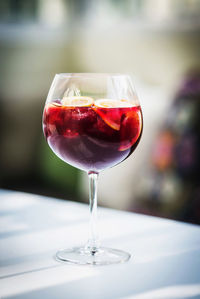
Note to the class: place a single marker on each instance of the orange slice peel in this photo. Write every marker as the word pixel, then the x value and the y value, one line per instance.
pixel 131 129
pixel 111 117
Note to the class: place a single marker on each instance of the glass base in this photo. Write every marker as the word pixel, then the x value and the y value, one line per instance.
pixel 100 256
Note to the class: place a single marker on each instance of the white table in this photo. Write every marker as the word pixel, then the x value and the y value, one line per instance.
pixel 165 259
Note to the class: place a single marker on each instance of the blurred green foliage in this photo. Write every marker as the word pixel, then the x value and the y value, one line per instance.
pixel 56 172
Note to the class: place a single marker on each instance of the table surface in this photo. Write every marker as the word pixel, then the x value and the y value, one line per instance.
pixel 165 260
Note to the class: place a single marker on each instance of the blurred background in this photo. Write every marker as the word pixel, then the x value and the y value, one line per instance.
pixel 158 43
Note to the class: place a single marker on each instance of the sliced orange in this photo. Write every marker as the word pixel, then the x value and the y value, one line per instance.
pixel 77 101
pixel 110 103
pixel 131 128
pixel 111 117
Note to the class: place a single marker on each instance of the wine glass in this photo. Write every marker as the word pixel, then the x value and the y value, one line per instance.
pixel 93 122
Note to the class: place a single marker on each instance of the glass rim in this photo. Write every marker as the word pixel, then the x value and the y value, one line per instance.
pixel 91 75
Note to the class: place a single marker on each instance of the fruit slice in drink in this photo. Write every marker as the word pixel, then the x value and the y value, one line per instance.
pixel 106 109
pixel 77 101
pixel 131 127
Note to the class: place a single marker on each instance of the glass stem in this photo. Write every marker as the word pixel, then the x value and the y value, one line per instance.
pixel 93 242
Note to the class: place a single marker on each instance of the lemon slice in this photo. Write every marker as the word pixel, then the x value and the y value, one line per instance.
pixel 77 101
pixel 110 103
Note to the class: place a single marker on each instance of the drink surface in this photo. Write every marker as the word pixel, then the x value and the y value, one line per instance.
pixel 93 136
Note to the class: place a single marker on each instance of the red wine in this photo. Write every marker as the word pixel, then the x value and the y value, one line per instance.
pixel 92 138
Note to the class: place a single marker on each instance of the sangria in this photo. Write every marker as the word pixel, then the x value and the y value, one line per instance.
pixel 92 135
pixel 93 122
